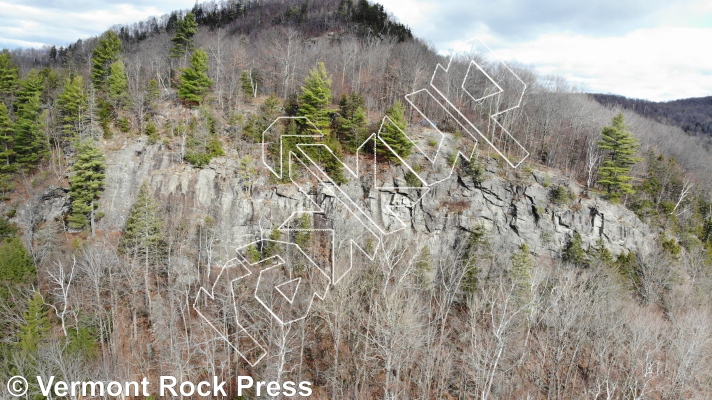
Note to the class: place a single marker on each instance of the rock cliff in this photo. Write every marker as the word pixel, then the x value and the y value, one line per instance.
pixel 514 207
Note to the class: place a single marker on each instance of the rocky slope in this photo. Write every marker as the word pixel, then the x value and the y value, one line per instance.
pixel 514 207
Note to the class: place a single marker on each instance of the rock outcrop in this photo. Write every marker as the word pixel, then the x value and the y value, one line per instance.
pixel 52 205
pixel 245 203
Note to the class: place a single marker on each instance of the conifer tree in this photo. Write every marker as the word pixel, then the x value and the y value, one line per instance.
pixel 522 264
pixel 152 92
pixel 302 236
pixel 473 247
pixel 271 248
pixel 72 103
pixel 143 238
pixel 392 135
pixel 29 88
pixel 201 150
pixel 332 164
pixel 195 82
pixel 82 342
pixel 351 122
pixel 620 146
pixel 118 85
pixel 7 154
pixel 314 104
pixel 16 265
pixel 142 233
pixel 105 54
pixel 316 98
pixel 9 75
pixel 86 184
pixel 574 252
pixel 257 123
pixel 36 326
pixel 30 143
pixel 522 270
pixel 599 252
pixel 183 40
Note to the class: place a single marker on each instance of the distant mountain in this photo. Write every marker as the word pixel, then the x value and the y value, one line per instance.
pixel 693 115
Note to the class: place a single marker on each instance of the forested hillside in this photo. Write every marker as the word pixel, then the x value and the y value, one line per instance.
pixel 146 164
pixel 694 116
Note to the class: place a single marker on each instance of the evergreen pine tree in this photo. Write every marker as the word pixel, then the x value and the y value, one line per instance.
pixel 7 154
pixel 29 88
pixel 183 40
pixel 203 142
pixel 118 85
pixel 391 133
pixel 72 103
pixel 142 233
pixel 7 229
pixel 202 147
pixel 143 239
pixel 16 265
pixel 351 122
pixel 152 92
pixel 574 252
pixel 620 146
pixel 475 244
pixel 332 164
pixel 522 264
pixel 9 75
pixel 195 82
pixel 36 326
pixel 599 253
pixel 424 268
pixel 29 142
pixel 270 247
pixel 86 184
pixel 316 98
pixel 303 234
pixel 105 54
pixel 314 102
pixel 82 342
pixel 629 269
pixel 522 272
pixel 253 255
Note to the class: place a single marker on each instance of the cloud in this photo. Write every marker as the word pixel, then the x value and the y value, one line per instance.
pixel 35 23
pixel 637 48
pixel 520 20
pixel 656 64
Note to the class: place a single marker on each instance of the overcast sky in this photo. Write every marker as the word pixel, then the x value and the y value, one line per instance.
pixel 650 49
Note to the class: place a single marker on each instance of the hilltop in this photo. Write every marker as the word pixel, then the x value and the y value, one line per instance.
pixel 694 116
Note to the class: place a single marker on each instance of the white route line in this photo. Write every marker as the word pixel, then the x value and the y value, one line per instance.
pixel 494 116
pixel 369 225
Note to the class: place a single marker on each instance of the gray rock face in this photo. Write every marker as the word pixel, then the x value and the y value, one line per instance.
pixel 48 206
pixel 246 205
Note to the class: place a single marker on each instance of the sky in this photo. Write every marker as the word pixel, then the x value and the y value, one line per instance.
pixel 651 49
pixel 658 50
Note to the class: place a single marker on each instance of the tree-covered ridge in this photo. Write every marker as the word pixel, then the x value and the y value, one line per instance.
pixel 480 318
pixel 243 17
pixel 694 116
